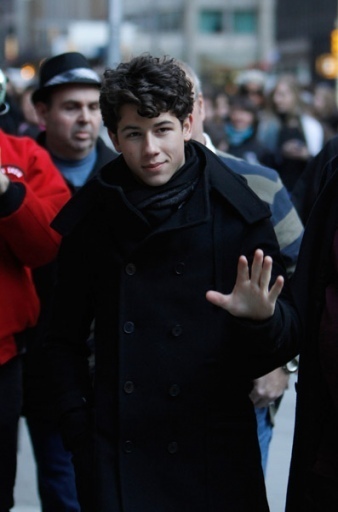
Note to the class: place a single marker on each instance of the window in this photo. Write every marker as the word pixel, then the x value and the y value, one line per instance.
pixel 210 21
pixel 170 21
pixel 157 20
pixel 244 22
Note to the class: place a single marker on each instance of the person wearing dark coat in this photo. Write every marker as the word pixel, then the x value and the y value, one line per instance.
pixel 314 464
pixel 151 250
pixel 313 178
pixel 67 104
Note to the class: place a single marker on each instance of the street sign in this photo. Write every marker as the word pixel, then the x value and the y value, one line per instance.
pixel 327 65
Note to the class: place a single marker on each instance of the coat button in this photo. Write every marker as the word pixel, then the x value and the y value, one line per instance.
pixel 176 331
pixel 128 387
pixel 179 268
pixel 172 447
pixel 129 327
pixel 130 269
pixel 174 390
pixel 128 446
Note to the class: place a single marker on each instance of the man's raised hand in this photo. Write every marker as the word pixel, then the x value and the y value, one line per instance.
pixel 251 296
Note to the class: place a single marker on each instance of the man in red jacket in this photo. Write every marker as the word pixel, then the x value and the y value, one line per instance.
pixel 31 193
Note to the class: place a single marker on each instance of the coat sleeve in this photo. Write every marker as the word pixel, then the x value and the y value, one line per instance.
pixel 30 204
pixel 271 343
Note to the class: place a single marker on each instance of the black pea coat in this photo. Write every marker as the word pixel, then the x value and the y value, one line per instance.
pixel 174 428
pixel 315 444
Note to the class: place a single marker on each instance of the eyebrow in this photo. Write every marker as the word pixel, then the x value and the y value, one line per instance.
pixel 156 125
pixel 79 102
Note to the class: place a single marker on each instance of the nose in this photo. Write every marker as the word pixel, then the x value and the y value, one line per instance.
pixel 84 116
pixel 150 146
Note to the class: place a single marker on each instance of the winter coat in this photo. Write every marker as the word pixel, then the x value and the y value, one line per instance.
pixel 175 429
pixel 35 195
pixel 36 397
pixel 315 446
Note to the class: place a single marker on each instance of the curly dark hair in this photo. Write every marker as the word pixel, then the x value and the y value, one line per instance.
pixel 154 84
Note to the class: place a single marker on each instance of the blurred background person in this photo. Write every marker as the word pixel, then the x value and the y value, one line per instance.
pixel 241 132
pixel 325 109
pixel 289 132
pixel 29 125
pixel 252 83
pixel 11 115
pixel 214 123
pixel 216 127
pixel 222 106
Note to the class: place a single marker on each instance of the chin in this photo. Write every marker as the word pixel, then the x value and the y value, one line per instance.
pixel 156 182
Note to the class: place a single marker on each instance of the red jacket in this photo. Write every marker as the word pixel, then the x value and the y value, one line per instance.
pixel 35 195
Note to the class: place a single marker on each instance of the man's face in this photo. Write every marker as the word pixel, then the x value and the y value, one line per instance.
pixel 152 148
pixel 72 120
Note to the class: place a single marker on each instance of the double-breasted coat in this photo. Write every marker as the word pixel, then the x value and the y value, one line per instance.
pixel 174 427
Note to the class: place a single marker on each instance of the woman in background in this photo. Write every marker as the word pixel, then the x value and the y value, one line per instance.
pixel 290 132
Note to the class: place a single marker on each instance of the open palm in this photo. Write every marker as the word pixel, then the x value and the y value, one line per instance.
pixel 251 296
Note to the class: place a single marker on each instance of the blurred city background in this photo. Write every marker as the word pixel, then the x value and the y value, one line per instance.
pixel 218 38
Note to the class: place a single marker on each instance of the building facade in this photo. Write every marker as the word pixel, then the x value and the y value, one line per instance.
pixel 214 36
pixel 303 31
pixel 209 34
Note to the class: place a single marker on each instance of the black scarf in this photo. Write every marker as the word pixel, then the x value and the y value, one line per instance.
pixel 159 203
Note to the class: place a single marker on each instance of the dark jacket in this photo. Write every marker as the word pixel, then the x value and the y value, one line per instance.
pixel 313 179
pixel 175 429
pixel 36 393
pixel 315 445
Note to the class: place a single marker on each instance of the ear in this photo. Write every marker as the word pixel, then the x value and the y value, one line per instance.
pixel 187 128
pixel 41 111
pixel 114 139
pixel 201 107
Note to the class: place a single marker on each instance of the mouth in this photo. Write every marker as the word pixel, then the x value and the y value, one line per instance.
pixel 83 135
pixel 153 167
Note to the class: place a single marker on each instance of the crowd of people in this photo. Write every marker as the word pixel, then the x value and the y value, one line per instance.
pixel 281 125
pixel 159 287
